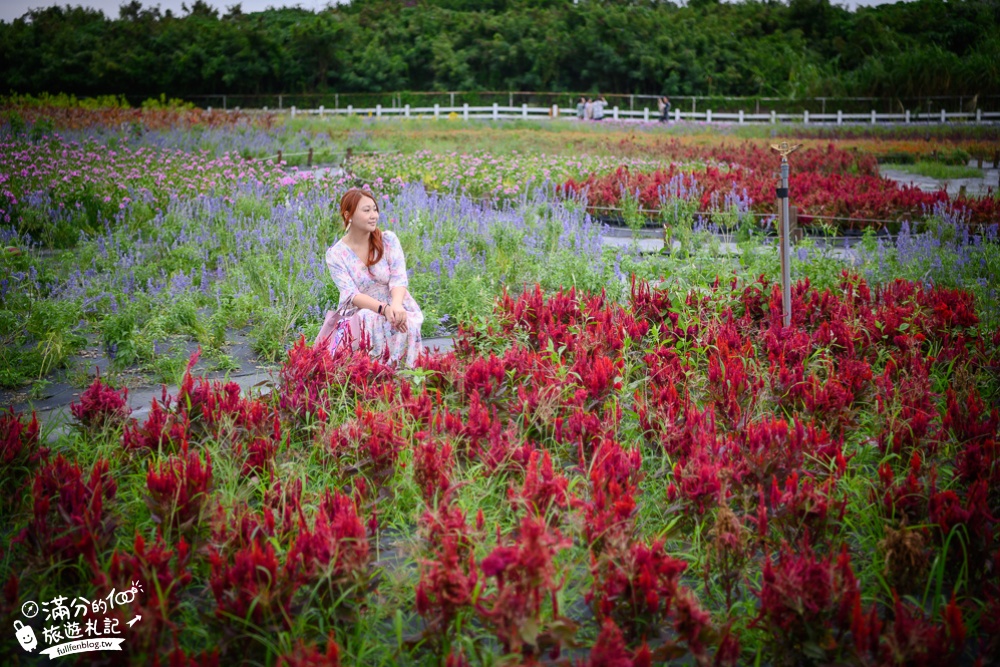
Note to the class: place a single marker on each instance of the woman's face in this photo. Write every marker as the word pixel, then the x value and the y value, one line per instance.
pixel 365 215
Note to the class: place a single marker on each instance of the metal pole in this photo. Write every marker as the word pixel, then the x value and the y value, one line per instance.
pixel 786 275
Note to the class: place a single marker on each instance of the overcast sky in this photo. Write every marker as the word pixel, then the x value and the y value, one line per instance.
pixel 13 9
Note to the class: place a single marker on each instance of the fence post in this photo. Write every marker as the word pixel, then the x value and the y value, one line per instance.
pixel 209 110
pixel 840 117
pixel 293 111
pixel 645 113
pixel 794 232
pixel 378 110
pixel 741 116
pixel 524 110
pixel 223 102
pixel 708 116
pixel 677 114
pixel 321 110
pixel 805 117
pixel 452 99
pixel 907 116
pixel 265 107
pixel 279 157
pixel 979 115
pixel 279 102
pixel 614 112
pixel 555 110
pixel 873 116
pixel 774 116
pixel 944 116
pixel 465 111
pixel 496 111
pixel 336 100
pixel 309 160
pixel 350 109
pixel 437 111
pixel 406 111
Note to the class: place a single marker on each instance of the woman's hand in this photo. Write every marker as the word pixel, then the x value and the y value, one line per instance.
pixel 396 316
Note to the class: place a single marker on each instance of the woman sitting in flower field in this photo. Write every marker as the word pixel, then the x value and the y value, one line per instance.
pixel 373 295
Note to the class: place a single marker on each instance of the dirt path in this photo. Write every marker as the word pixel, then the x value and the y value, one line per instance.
pixel 974 187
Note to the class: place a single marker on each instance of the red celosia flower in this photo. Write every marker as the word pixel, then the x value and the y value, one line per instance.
pixel 803 508
pixel 372 442
pixel 804 598
pixel 914 640
pixel 69 517
pixel 610 650
pixel 307 374
pixel 524 572
pixel 431 467
pixel 610 510
pixel 250 585
pixel 542 489
pixel 448 574
pixel 635 584
pixel 164 574
pixel 20 452
pixel 180 491
pixel 334 551
pixel 101 406
pixel 773 448
pixel 309 656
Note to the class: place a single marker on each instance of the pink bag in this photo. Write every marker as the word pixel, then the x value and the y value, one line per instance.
pixel 332 323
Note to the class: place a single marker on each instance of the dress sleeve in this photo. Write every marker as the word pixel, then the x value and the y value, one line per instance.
pixel 341 276
pixel 397 262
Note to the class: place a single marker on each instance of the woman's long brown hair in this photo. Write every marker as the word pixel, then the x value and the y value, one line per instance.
pixel 348 205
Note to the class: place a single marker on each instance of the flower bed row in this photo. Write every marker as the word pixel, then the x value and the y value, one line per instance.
pixel 484 174
pixel 70 117
pixel 824 183
pixel 545 479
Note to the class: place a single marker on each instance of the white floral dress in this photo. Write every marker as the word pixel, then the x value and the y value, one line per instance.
pixel 352 277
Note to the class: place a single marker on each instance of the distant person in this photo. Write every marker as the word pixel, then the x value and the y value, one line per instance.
pixel 663 104
pixel 588 109
pixel 599 105
pixel 580 106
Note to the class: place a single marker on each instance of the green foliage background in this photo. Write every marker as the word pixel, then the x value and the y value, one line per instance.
pixel 799 48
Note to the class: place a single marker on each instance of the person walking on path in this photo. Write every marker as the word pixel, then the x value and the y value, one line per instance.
pixel 369 269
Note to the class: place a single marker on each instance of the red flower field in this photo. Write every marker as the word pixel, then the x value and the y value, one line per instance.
pixel 824 183
pixel 578 483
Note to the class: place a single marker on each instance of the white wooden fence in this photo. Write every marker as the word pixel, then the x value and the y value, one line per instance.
pixel 497 112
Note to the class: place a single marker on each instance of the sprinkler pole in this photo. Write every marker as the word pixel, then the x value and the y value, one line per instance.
pixel 785 150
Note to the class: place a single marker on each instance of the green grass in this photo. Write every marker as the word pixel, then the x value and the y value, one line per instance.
pixel 936 170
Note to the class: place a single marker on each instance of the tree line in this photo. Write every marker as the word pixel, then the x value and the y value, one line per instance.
pixel 799 48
